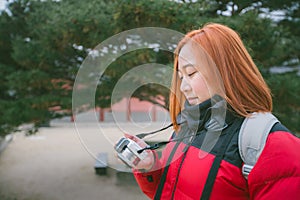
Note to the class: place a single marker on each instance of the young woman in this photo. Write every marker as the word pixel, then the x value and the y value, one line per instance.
pixel 216 85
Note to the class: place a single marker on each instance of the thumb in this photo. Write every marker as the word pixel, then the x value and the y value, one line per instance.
pixel 132 137
pixel 127 135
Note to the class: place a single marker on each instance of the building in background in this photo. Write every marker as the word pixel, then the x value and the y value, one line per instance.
pixel 133 110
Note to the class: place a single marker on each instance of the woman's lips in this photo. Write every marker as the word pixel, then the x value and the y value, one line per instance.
pixel 192 99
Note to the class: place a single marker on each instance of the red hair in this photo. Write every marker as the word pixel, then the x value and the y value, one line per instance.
pixel 245 89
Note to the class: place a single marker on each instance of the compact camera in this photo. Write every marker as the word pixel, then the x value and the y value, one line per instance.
pixel 128 152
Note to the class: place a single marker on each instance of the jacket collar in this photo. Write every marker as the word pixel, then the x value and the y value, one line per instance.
pixel 211 115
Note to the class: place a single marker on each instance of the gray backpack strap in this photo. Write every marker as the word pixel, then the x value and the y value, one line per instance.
pixel 252 138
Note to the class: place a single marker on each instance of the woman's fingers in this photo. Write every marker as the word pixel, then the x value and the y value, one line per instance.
pixel 148 161
pixel 139 141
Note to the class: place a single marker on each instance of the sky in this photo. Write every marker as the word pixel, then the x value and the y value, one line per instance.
pixel 275 15
pixel 2 4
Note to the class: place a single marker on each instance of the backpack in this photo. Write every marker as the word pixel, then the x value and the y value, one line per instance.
pixel 252 138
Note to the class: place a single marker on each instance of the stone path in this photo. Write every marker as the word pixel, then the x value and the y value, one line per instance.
pixel 58 163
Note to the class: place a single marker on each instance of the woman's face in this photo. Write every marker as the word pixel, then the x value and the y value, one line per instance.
pixel 193 85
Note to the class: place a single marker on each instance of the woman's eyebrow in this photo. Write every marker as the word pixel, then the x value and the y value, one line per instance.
pixel 184 66
pixel 187 65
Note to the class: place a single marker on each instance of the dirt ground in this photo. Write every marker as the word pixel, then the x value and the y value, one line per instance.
pixel 58 163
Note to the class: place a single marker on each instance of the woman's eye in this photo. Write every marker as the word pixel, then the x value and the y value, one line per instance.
pixel 192 73
pixel 180 76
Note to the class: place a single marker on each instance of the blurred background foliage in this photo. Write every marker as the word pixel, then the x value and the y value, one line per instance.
pixel 44 42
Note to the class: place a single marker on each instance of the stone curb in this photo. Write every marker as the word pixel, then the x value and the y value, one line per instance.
pixel 5 141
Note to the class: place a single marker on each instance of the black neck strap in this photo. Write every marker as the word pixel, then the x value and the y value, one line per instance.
pixel 164 175
pixel 215 168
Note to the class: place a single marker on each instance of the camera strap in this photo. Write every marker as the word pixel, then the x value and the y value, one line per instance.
pixel 142 135
pixel 159 144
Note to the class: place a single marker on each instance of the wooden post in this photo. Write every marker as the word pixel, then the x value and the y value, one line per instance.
pixel 72 118
pixel 101 114
pixel 128 111
pixel 154 113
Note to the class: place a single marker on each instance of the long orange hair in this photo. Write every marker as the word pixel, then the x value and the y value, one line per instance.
pixel 245 89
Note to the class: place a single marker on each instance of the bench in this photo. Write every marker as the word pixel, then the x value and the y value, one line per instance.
pixel 101 164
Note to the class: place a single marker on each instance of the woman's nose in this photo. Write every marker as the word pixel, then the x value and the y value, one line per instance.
pixel 185 86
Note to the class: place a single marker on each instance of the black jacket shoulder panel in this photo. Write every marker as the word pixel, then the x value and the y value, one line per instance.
pixel 279 127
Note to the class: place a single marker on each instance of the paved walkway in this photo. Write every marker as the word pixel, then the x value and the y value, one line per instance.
pixel 58 163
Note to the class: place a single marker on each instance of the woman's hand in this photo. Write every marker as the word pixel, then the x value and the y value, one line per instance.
pixel 148 162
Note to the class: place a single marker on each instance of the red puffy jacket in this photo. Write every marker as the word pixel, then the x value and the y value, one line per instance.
pixel 276 174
